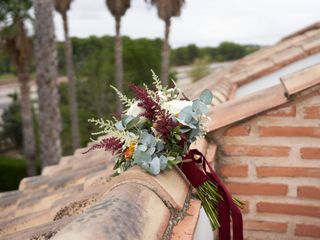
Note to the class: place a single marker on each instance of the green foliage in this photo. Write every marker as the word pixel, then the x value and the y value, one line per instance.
pixel 226 51
pixel 94 63
pixel 12 170
pixel 12 122
pixel 200 68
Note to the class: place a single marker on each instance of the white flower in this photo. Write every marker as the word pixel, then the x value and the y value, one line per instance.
pixel 134 110
pixel 175 106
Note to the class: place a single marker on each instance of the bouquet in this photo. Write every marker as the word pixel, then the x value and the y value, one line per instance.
pixel 155 132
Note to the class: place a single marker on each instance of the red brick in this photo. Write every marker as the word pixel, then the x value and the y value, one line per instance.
pixel 265 226
pixel 312 112
pixel 288 172
pixel 185 229
pixel 290 209
pixel 276 131
pixel 239 130
pixel 234 170
pixel 283 112
pixel 255 151
pixel 245 208
pixel 267 189
pixel 310 153
pixel 309 192
pixel 307 230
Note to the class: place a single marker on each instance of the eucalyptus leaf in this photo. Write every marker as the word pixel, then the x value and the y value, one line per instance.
pixel 140 157
pixel 151 150
pixel 185 116
pixel 132 123
pixel 206 96
pixel 142 148
pixel 199 107
pixel 126 119
pixel 145 138
pixel 163 162
pixel 159 146
pixel 155 166
pixel 185 130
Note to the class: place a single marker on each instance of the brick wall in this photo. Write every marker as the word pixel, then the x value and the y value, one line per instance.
pixel 273 162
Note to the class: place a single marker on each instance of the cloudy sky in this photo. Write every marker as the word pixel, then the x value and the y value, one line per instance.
pixel 203 22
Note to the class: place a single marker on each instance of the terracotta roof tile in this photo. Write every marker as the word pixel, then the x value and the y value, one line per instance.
pixel 312 45
pixel 129 211
pixel 31 183
pixel 261 62
pixel 55 169
pixel 6 214
pixel 9 198
pixel 237 77
pixel 25 221
pixel 288 56
pixel 76 203
pixel 313 27
pixel 241 108
pixel 301 80
pixel 61 194
pixel 165 184
pixel 35 233
pixel 185 229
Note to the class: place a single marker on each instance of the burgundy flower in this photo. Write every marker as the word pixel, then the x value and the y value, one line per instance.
pixel 111 144
pixel 164 124
pixel 145 101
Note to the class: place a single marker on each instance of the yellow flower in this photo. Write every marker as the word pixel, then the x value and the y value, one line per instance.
pixel 130 150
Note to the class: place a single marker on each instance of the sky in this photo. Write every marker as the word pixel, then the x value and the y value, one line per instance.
pixel 202 22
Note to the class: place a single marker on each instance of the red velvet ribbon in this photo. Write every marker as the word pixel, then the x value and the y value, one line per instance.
pixel 197 176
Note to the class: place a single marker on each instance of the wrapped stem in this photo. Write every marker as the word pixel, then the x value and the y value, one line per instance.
pixel 209 196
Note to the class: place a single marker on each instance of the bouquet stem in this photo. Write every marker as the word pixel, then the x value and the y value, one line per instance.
pixel 209 196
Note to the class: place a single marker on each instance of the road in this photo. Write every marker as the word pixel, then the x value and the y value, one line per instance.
pixel 10 87
pixel 183 71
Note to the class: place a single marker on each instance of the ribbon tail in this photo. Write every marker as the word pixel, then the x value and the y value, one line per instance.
pixel 224 218
pixel 225 206
pixel 237 224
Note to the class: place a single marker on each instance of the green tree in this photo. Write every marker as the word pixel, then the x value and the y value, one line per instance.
pixel 166 10
pixel 118 9
pixel 62 6
pixel 231 51
pixel 12 122
pixel 15 39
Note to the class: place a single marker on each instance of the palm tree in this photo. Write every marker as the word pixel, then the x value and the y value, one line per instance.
pixel 62 6
pixel 166 10
pixel 118 8
pixel 46 62
pixel 14 37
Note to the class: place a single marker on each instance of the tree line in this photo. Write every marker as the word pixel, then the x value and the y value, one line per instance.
pixel 90 65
